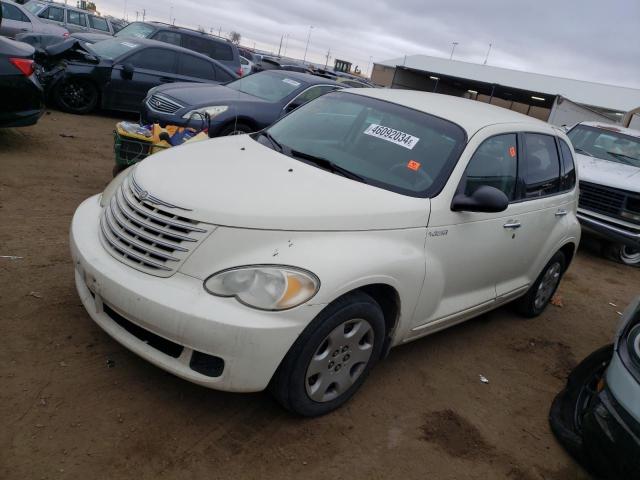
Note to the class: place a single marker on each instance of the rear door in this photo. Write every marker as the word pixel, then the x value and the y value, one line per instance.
pixel 13 21
pixel 53 14
pixel 152 67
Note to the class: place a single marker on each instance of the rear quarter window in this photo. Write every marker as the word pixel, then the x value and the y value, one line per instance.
pixel 98 23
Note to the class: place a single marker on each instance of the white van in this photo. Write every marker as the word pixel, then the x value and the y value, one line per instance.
pixel 297 256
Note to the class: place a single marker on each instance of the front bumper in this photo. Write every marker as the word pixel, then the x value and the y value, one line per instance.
pixel 609 231
pixel 123 301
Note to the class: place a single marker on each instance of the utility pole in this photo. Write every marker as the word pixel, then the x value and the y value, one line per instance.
pixel 304 60
pixel 220 32
pixel 328 56
pixel 170 14
pixel 487 57
pixel 369 66
pixel 286 44
pixel 136 15
pixel 455 44
pixel 144 13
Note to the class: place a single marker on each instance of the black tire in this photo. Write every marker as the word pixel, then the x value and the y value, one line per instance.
pixel 528 305
pixel 290 384
pixel 76 95
pixel 235 129
pixel 572 403
pixel 622 254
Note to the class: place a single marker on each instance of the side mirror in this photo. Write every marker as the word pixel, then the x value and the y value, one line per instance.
pixel 484 199
pixel 127 71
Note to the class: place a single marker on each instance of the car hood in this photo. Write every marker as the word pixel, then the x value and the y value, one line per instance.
pixel 237 182
pixel 607 173
pixel 203 94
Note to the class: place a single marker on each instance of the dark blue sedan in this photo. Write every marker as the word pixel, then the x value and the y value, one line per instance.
pixel 242 106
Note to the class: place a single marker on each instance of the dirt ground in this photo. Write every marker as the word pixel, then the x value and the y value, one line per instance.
pixel 75 404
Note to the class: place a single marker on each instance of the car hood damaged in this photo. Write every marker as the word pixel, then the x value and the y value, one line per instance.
pixel 242 183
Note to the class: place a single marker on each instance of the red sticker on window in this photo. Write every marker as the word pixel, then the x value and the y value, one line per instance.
pixel 413 165
pixel 512 151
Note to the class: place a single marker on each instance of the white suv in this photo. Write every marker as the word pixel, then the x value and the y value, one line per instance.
pixel 297 256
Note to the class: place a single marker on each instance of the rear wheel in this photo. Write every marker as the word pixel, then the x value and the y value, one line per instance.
pixel 623 254
pixel 76 95
pixel 332 357
pixel 540 293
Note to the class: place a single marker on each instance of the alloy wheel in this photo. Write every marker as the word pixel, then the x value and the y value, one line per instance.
pixel 548 285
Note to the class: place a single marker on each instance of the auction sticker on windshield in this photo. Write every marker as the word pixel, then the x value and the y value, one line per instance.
pixel 291 82
pixel 392 135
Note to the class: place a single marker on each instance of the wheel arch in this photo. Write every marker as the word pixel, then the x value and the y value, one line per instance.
pixel 248 121
pixel 569 251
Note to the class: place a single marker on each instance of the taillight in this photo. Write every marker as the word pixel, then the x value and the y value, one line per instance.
pixel 65 34
pixel 25 65
pixel 239 71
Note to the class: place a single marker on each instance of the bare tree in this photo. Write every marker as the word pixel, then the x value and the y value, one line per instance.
pixel 235 37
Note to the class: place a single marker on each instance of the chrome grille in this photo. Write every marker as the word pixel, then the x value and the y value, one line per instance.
pixel 162 104
pixel 147 233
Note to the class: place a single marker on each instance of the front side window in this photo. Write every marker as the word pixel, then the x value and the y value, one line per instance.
pixel 540 167
pixel 222 75
pixel 53 13
pixel 311 94
pixel 495 163
pixel 98 23
pixel 76 18
pixel 568 180
pixel 136 30
pixel 606 143
pixel 169 37
pixel 9 12
pixel 155 59
pixel 376 142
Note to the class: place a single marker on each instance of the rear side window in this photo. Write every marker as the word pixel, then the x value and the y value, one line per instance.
pixel 169 37
pixel 196 67
pixel 76 18
pixel 495 163
pixel 155 59
pixel 9 12
pixel 53 13
pixel 98 23
pixel 197 44
pixel 222 51
pixel 222 75
pixel 568 180
pixel 540 169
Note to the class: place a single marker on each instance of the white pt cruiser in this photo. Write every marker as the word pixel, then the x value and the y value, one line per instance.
pixel 296 257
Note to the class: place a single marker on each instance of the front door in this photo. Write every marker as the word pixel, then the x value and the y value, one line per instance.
pixel 151 67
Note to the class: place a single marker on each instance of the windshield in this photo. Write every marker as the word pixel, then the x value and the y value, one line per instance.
pixel 35 7
pixel 383 144
pixel 606 144
pixel 272 88
pixel 111 49
pixel 137 30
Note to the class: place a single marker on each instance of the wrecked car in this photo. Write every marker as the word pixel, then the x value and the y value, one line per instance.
pixel 597 416
pixel 116 74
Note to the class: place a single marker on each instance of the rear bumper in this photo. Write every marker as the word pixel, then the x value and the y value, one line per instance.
pixel 609 231
pixel 20 119
pixel 22 101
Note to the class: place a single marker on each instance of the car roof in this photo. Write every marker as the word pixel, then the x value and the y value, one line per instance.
pixel 147 42
pixel 170 26
pixel 472 115
pixel 303 77
pixel 613 127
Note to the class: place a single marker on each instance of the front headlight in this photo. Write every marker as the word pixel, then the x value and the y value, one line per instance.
pixel 113 187
pixel 265 287
pixel 213 111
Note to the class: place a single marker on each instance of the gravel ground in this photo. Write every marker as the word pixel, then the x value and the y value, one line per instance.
pixel 75 404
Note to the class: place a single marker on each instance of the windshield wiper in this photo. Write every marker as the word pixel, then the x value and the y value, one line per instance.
pixel 328 165
pixel 625 158
pixel 579 150
pixel 273 141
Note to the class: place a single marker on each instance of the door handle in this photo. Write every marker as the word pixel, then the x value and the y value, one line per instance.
pixel 561 212
pixel 512 224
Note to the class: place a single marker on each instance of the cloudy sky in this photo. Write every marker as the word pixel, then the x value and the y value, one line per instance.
pixel 586 39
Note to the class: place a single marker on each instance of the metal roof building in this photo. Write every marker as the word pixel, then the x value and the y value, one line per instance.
pixel 531 93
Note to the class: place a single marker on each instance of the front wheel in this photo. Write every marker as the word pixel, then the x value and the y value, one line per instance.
pixel 540 293
pixel 76 95
pixel 623 254
pixel 332 357
pixel 236 129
